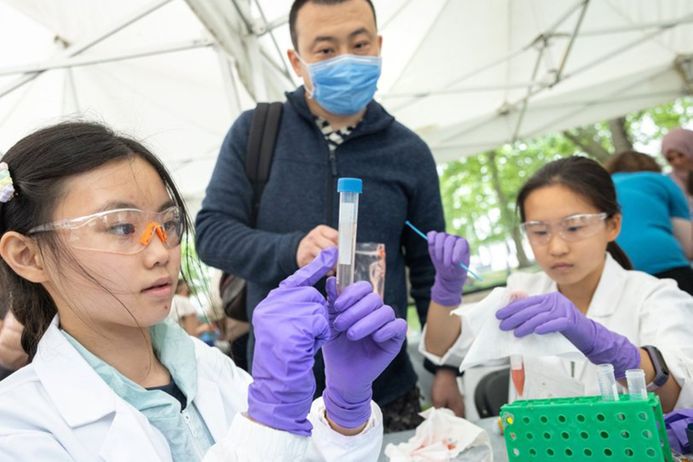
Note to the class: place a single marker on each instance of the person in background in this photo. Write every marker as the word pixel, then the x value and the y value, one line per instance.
pixel 677 149
pixel 586 290
pixel 656 231
pixel 12 357
pixel 332 127
pixel 90 231
pixel 183 311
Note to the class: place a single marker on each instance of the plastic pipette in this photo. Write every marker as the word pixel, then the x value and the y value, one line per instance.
pixel 349 190
pixel 465 267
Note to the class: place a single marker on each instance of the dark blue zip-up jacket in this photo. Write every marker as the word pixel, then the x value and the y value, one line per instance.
pixel 399 183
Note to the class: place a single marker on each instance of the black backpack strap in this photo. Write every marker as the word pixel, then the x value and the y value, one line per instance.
pixel 262 138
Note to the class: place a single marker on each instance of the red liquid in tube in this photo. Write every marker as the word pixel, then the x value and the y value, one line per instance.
pixel 518 378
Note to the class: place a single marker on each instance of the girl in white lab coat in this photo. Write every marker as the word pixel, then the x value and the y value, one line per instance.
pixel 586 291
pixel 91 225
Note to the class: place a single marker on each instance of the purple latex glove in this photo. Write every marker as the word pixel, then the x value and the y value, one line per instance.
pixel 447 251
pixel 366 337
pixel 290 325
pixel 676 423
pixel 552 312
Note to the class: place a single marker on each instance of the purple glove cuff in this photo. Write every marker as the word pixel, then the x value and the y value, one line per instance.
pixel 447 293
pixel 267 409
pixel 346 414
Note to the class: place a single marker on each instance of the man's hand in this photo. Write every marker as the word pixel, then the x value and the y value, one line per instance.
pixel 446 393
pixel 319 238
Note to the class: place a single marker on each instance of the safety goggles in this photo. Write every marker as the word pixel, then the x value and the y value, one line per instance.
pixel 121 231
pixel 571 229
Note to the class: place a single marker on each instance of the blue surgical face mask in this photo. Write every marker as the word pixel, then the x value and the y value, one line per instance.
pixel 344 85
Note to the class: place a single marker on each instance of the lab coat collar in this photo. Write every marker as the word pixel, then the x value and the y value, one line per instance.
pixel 87 398
pixel 609 290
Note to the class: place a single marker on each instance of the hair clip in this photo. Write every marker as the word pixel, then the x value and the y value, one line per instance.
pixel 6 184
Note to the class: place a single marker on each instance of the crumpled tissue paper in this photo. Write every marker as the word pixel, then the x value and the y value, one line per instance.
pixel 440 438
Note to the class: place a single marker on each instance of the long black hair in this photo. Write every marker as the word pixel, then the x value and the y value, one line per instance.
pixel 39 165
pixel 586 178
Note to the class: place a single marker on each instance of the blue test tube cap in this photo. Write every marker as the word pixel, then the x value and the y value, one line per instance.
pixel 353 185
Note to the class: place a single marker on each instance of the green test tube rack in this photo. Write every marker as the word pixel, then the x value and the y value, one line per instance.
pixel 586 428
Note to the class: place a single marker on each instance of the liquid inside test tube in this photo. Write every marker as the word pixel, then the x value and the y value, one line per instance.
pixel 349 190
pixel 517 374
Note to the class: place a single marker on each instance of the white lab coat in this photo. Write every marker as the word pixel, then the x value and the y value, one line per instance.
pixel 58 409
pixel 646 310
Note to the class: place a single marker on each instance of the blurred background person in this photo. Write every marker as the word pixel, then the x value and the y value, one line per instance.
pixel 656 232
pixel 677 149
pixel 12 356
pixel 183 311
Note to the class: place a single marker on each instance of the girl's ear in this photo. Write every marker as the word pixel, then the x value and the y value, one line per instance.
pixel 22 254
pixel 613 226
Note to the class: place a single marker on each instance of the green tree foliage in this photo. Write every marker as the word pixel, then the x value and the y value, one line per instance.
pixel 192 268
pixel 650 125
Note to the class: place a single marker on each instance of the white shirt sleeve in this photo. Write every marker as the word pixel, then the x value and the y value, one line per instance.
pixel 665 323
pixel 248 441
pixel 327 445
pixel 454 355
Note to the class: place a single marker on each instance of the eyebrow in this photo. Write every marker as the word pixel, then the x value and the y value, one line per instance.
pixel 361 30
pixel 323 38
pixel 329 38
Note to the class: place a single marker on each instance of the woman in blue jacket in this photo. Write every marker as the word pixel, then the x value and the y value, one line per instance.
pixel 656 231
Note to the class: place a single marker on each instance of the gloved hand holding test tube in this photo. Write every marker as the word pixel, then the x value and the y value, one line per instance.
pixel 349 190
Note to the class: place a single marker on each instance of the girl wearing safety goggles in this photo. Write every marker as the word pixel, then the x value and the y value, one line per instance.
pixel 91 225
pixel 585 291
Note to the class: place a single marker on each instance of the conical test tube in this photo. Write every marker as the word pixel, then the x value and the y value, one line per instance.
pixel 349 190
pixel 607 382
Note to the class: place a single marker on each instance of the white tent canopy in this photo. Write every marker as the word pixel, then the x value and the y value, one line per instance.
pixel 467 75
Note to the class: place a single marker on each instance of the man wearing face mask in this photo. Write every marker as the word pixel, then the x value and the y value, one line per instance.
pixel 331 127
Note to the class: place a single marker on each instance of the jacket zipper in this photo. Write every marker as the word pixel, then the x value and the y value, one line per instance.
pixel 331 177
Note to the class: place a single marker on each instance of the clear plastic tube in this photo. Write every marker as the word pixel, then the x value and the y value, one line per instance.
pixel 637 388
pixel 349 190
pixel 607 382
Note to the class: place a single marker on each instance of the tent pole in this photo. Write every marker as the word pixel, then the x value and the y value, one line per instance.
pixel 230 88
pixel 573 37
pixel 80 61
pixel 633 28
pixel 525 101
pixel 625 47
pixel 70 101
pixel 285 69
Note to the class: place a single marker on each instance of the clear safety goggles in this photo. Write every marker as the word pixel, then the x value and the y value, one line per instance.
pixel 571 229
pixel 122 231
